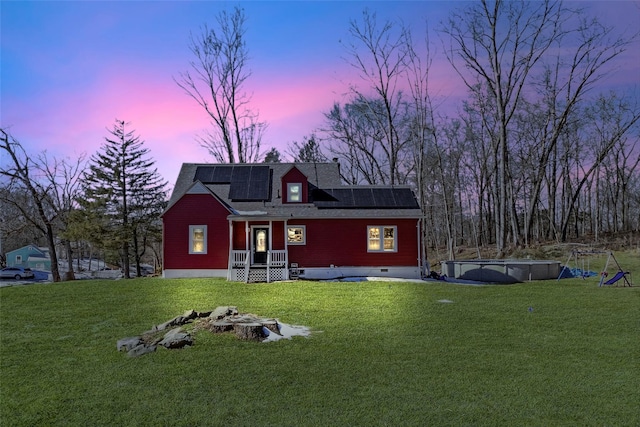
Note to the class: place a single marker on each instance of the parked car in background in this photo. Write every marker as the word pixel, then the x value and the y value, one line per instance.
pixel 17 273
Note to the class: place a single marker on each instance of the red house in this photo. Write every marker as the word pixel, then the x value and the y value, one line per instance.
pixel 275 221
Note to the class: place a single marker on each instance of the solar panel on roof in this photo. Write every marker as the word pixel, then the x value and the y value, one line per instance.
pixel 258 190
pixel 241 173
pixel 369 198
pixel 239 190
pixel 345 197
pixel 318 195
pixel 213 174
pixel 203 174
pixel 259 173
pixel 405 198
pixel 383 197
pixel 363 197
pixel 222 174
pixel 250 183
pixel 329 198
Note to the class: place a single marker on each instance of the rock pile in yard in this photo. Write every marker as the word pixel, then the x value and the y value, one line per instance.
pixel 172 334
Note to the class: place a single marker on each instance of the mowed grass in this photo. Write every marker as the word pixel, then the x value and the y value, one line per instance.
pixel 381 353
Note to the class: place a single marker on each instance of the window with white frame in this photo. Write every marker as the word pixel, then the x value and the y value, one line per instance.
pixel 382 238
pixel 296 235
pixel 197 239
pixel 294 192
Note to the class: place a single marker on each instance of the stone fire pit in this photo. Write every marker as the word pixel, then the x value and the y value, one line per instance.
pixel 224 319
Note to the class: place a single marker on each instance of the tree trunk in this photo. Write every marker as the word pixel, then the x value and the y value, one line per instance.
pixel 125 260
pixel 221 326
pixel 55 271
pixel 249 331
pixel 69 275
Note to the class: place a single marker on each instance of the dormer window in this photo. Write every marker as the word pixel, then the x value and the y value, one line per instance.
pixel 295 187
pixel 294 192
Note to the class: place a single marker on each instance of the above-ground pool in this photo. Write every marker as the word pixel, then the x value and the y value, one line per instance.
pixel 501 270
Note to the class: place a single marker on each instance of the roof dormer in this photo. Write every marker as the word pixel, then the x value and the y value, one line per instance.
pixel 295 187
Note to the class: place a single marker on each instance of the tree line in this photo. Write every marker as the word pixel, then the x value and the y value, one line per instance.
pixel 108 205
pixel 536 151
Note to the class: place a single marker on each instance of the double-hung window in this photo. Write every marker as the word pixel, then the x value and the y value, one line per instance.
pixel 382 238
pixel 294 193
pixel 197 239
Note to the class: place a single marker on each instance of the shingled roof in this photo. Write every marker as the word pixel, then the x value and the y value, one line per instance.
pixel 255 188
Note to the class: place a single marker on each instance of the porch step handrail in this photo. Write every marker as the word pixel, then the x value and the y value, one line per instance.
pixel 246 266
pixel 275 258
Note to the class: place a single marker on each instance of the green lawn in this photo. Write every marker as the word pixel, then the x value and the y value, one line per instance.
pixel 541 353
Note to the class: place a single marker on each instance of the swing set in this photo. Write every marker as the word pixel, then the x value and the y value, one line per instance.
pixel 576 255
pixel 620 274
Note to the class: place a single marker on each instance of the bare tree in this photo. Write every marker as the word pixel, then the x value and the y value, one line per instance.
pixel 496 45
pixel 64 179
pixel 608 123
pixel 422 130
pixel 216 81
pixel 480 131
pixel 41 191
pixel 625 160
pixel 564 84
pixel 369 127
pixel 358 140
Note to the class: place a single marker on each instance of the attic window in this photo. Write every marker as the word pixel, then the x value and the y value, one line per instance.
pixel 294 193
pixel 197 239
pixel 382 239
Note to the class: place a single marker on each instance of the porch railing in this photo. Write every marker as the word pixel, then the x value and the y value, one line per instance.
pixel 241 259
pixel 277 258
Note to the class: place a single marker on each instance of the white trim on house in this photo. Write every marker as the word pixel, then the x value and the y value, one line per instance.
pixel 267 245
pixel 315 273
pixel 381 238
pixel 180 273
pixel 337 272
pixel 198 188
pixel 294 192
pixel 296 238
pixel 201 238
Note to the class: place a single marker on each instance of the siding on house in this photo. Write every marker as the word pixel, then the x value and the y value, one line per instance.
pixel 239 236
pixel 233 199
pixel 30 256
pixel 344 242
pixel 277 233
pixel 294 176
pixel 196 209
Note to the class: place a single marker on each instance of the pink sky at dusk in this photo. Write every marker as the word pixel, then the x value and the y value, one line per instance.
pixel 69 69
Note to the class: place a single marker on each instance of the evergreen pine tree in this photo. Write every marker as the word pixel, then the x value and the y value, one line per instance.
pixel 127 192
